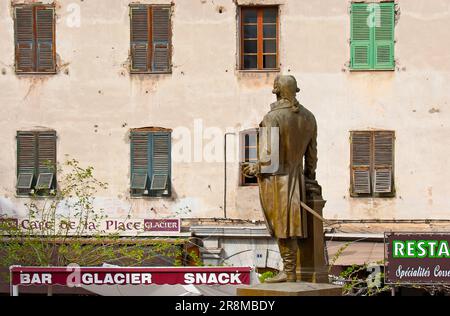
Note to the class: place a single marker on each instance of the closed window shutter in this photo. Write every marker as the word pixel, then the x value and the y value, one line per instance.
pixel 47 152
pixel 24 35
pixel 384 37
pixel 140 39
pixel 161 162
pixel 383 162
pixel 161 38
pixel 45 54
pixel 361 162
pixel 361 37
pixel 139 160
pixel 26 159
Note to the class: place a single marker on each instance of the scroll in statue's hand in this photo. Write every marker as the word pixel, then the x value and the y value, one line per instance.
pixel 250 169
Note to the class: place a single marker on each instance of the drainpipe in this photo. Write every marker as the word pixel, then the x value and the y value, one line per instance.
pixel 225 173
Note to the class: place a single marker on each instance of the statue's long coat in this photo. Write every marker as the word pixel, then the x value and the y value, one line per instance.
pixel 281 191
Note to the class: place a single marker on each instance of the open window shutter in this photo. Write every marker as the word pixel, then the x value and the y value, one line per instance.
pixel 140 32
pixel 384 37
pixel 139 160
pixel 24 35
pixel 46 159
pixel 383 162
pixel 161 38
pixel 26 159
pixel 361 37
pixel 361 160
pixel 161 164
pixel 45 27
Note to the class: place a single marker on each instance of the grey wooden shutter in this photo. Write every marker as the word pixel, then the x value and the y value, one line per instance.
pixel 161 162
pixel 161 38
pixel 361 162
pixel 45 50
pixel 26 159
pixel 140 32
pixel 383 162
pixel 24 37
pixel 139 162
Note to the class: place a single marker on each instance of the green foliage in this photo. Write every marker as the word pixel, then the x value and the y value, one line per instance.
pixel 68 230
pixel 266 275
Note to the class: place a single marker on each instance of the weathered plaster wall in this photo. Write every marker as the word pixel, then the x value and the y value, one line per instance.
pixel 93 101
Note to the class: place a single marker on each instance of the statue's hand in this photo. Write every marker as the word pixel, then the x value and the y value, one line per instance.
pixel 250 169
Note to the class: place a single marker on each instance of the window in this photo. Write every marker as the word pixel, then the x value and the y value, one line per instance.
pixel 36 162
pixel 150 38
pixel 151 162
pixel 249 153
pixel 372 163
pixel 259 38
pixel 35 38
pixel 372 36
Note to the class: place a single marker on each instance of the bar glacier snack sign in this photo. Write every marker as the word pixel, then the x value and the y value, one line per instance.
pixel 417 258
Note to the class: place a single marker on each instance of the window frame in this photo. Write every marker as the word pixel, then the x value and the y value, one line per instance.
pixel 149 8
pixel 260 38
pixel 242 146
pixel 372 166
pixel 150 132
pixel 33 190
pixel 35 7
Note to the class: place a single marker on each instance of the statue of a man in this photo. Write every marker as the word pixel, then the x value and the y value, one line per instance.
pixel 283 190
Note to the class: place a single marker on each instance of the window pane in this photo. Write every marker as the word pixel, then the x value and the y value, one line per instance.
pixel 250 61
pixel 270 46
pixel 250 154
pixel 250 31
pixel 250 15
pixel 270 61
pixel 250 140
pixel 250 46
pixel 270 15
pixel 270 31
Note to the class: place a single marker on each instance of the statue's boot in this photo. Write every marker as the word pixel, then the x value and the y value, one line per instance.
pixel 288 251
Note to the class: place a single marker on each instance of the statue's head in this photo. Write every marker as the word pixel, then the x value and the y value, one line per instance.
pixel 285 87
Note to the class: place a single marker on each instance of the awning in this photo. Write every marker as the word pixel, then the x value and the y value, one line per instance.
pixel 357 252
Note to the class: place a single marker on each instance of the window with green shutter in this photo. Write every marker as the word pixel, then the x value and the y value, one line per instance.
pixel 150 38
pixel 35 38
pixel 150 162
pixel 36 162
pixel 372 163
pixel 372 36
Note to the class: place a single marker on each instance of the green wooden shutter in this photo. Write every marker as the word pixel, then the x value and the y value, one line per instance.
pixel 45 50
pixel 383 181
pixel 384 37
pixel 361 37
pixel 360 162
pixel 46 162
pixel 160 163
pixel 161 38
pixel 140 162
pixel 24 37
pixel 26 160
pixel 140 33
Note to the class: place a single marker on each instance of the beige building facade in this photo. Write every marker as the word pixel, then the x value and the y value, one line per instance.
pixel 92 102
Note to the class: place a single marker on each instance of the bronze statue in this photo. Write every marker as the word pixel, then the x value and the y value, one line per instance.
pixel 283 193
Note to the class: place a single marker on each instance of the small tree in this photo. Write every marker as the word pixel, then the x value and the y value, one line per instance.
pixel 67 229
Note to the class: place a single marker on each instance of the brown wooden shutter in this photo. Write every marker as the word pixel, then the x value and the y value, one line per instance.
pixel 24 35
pixel 45 46
pixel 161 164
pixel 360 162
pixel 161 38
pixel 47 152
pixel 140 32
pixel 383 161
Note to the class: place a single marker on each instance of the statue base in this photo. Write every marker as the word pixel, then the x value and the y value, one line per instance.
pixel 290 289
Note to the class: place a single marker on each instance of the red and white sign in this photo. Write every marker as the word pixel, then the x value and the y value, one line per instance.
pixel 76 276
